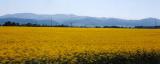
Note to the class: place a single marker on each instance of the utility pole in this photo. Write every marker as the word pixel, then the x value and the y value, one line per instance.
pixel 71 24
pixel 51 21
pixel 36 23
pixel 155 24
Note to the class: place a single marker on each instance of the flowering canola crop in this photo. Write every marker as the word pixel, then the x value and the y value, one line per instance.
pixel 23 43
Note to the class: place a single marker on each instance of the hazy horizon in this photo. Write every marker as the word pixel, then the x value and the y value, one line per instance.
pixel 124 9
pixel 82 15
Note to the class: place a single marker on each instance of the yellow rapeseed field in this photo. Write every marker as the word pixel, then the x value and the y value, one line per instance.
pixel 19 43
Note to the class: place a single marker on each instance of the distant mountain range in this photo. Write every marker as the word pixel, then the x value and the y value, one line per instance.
pixel 75 20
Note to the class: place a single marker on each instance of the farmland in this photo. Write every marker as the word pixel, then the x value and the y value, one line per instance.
pixel 42 45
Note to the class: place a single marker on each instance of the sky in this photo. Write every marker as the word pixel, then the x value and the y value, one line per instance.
pixel 125 9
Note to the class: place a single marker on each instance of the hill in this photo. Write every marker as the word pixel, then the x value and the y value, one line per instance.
pixel 76 20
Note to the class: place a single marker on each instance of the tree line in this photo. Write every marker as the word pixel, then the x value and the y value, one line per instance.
pixel 10 23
